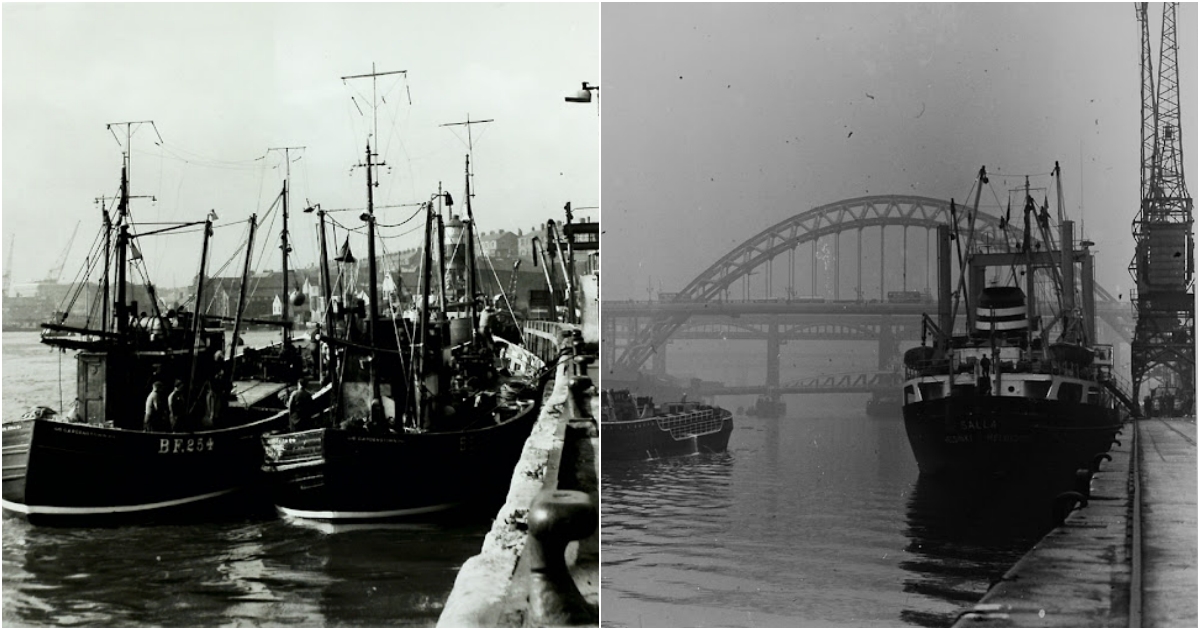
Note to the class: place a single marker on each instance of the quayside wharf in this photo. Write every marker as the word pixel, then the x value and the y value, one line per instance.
pixel 539 564
pixel 1124 554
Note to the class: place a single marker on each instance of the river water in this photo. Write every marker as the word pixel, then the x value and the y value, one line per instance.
pixel 816 519
pixel 239 571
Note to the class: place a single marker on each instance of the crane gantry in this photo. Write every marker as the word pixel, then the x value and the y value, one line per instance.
pixel 1163 265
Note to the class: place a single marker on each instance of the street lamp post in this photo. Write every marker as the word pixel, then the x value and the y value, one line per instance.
pixel 584 95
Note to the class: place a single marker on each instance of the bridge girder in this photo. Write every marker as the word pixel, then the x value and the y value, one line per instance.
pixel 841 216
pixel 811 225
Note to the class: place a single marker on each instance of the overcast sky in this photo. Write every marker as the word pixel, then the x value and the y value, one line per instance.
pixel 223 82
pixel 722 120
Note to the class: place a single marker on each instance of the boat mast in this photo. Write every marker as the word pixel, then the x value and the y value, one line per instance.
pixel 441 248
pixel 107 253
pixel 131 127
pixel 241 304
pixel 471 281
pixel 122 241
pixel 373 290
pixel 284 248
pixel 196 325
pixel 423 324
pixel 370 219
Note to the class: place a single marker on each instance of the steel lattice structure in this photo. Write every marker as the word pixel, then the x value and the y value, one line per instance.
pixel 808 226
pixel 1163 267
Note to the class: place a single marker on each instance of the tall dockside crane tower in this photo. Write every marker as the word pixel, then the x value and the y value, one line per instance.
pixel 1163 268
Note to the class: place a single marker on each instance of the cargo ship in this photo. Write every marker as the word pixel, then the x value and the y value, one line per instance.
pixel 1013 395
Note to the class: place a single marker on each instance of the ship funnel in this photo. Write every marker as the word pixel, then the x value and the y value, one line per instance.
pixel 1001 311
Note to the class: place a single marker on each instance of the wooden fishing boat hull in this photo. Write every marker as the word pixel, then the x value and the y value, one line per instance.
pixel 1001 434
pixel 347 475
pixel 58 471
pixel 657 437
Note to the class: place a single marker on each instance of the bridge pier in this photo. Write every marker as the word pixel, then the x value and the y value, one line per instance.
pixel 889 347
pixel 773 344
pixel 658 360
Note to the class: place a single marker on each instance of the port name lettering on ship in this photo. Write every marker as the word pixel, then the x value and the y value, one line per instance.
pixel 181 445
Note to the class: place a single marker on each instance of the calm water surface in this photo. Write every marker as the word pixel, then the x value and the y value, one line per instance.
pixel 259 571
pixel 817 519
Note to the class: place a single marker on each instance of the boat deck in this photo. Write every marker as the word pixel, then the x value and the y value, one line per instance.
pixel 251 393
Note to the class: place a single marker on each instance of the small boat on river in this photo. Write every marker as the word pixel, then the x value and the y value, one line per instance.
pixel 636 428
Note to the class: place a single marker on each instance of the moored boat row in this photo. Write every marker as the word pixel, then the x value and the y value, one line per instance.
pixel 374 415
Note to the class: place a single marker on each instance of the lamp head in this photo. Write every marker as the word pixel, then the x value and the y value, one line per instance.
pixel 582 96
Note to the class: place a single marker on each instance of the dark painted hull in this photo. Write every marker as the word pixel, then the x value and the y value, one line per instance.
pixel 995 434
pixel 646 438
pixel 336 474
pixel 58 471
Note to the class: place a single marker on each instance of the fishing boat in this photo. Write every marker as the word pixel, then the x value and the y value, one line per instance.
pixel 108 455
pixel 636 428
pixel 1013 394
pixel 428 414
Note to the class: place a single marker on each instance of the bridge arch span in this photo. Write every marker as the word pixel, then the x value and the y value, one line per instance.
pixel 830 219
pixel 809 226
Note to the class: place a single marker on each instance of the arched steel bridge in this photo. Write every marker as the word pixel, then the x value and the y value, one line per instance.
pixel 846 383
pixel 709 291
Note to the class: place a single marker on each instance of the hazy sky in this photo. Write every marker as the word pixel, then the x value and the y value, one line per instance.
pixel 721 120
pixel 223 82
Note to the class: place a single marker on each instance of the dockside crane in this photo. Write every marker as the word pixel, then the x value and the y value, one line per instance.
pixel 56 271
pixel 1163 267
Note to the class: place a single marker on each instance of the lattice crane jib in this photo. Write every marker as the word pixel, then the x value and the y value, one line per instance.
pixel 1163 264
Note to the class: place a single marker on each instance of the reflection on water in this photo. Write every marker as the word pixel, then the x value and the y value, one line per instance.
pixel 807 521
pixel 964 534
pixel 252 573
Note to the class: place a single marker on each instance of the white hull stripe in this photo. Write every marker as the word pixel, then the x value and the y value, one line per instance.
pixel 331 515
pixel 1007 311
pixel 106 509
pixel 1016 325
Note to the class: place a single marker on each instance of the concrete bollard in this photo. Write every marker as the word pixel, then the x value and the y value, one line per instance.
pixel 580 386
pixel 1083 484
pixel 1064 504
pixel 1097 459
pixel 556 518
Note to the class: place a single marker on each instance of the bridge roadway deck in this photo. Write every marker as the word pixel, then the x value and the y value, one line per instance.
pixel 1126 559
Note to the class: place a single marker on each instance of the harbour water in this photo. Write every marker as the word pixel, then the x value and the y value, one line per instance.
pixel 816 519
pixel 239 571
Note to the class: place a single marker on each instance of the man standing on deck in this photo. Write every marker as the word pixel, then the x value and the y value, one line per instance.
pixel 300 407
pixel 985 376
pixel 156 409
pixel 177 403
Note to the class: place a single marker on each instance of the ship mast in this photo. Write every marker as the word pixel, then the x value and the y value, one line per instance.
pixel 123 218
pixel 369 217
pixel 284 247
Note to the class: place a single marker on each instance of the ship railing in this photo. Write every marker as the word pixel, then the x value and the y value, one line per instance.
pixel 686 425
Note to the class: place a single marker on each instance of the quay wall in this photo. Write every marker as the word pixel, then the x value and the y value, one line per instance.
pixel 496 587
pixel 1128 557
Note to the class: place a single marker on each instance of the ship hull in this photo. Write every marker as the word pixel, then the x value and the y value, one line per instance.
pixel 647 438
pixel 345 475
pixel 999 435
pixel 57 472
